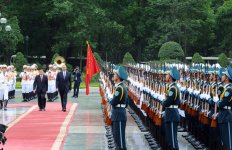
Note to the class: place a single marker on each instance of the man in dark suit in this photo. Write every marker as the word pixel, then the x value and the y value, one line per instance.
pixel 77 81
pixel 63 85
pixel 40 86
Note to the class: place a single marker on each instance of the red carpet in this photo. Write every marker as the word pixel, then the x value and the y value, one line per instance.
pixel 40 130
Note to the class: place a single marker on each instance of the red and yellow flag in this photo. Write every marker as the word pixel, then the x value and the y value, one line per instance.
pixel 91 67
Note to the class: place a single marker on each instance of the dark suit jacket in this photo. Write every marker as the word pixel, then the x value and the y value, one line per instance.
pixel 77 76
pixel 64 84
pixel 41 86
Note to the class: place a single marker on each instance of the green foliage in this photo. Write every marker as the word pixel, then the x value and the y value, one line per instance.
pixel 128 58
pixel 224 26
pixel 20 60
pixel 223 60
pixel 197 58
pixel 9 40
pixel 137 26
pixel 186 22
pixel 40 65
pixel 69 67
pixel 171 50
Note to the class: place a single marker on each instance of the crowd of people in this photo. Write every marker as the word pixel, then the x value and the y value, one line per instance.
pixel 8 79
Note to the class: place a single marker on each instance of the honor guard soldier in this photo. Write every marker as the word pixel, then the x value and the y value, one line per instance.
pixel 13 80
pixel 221 71
pixel 3 87
pixel 55 71
pixel 51 83
pixel 172 117
pixel 225 115
pixel 23 75
pixel 220 89
pixel 119 102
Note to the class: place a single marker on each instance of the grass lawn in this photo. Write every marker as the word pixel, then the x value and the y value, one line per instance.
pixel 92 84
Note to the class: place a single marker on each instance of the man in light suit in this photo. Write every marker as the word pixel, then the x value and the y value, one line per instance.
pixel 63 85
pixel 40 86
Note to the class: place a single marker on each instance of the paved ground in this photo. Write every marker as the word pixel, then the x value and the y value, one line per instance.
pixel 87 130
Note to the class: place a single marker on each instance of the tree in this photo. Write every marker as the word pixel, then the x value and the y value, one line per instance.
pixel 137 26
pixel 20 60
pixel 224 27
pixel 171 50
pixel 128 58
pixel 197 59
pixel 186 22
pixel 69 67
pixel 9 40
pixel 223 60
pixel 39 65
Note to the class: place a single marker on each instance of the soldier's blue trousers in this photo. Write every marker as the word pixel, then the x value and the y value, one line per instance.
pixel 226 135
pixel 119 128
pixel 171 134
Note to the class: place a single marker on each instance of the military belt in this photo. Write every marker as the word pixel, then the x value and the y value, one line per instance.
pixel 121 105
pixel 173 106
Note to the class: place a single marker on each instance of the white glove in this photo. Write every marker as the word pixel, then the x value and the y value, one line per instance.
pixel 215 99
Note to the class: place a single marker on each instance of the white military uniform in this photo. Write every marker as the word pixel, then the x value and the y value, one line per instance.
pixel 51 82
pixel 3 87
pixel 9 79
pixel 23 76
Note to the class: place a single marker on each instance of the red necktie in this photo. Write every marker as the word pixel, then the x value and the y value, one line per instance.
pixel 41 77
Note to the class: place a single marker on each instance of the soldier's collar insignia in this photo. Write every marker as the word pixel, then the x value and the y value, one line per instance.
pixel 170 93
pixel 117 93
pixel 227 94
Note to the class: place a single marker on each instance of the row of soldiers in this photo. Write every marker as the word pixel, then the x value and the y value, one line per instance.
pixel 7 84
pixel 27 79
pixel 203 100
